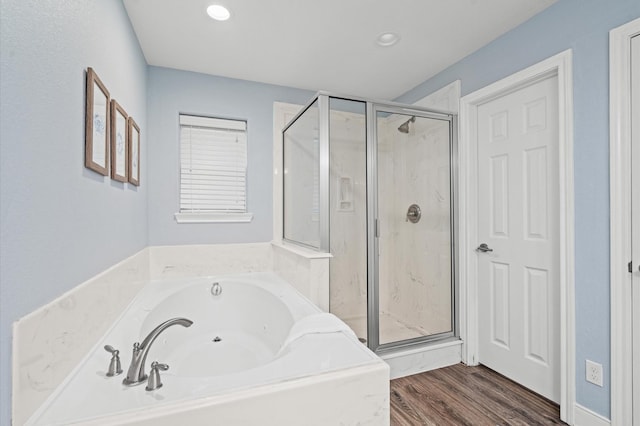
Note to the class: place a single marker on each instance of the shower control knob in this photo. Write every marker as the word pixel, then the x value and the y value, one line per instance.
pixel 115 367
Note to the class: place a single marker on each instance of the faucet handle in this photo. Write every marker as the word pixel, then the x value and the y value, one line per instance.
pixel 154 381
pixel 162 367
pixel 115 367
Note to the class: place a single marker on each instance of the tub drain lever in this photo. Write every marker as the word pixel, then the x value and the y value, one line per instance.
pixel 154 381
pixel 114 366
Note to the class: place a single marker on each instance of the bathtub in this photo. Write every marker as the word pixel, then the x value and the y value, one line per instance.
pixel 257 353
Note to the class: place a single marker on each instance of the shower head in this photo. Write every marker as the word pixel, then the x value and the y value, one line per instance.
pixel 404 127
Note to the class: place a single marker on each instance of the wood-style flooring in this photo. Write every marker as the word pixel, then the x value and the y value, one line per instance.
pixel 461 395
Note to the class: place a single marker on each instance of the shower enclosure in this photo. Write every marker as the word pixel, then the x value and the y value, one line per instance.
pixel 373 184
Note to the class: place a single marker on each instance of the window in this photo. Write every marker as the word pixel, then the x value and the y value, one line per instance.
pixel 213 170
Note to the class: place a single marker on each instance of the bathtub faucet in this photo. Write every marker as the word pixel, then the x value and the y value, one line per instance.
pixel 136 373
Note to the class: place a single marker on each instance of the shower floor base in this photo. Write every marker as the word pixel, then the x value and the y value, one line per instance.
pixel 391 328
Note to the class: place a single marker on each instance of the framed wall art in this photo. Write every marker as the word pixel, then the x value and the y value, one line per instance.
pixel 97 127
pixel 119 149
pixel 133 142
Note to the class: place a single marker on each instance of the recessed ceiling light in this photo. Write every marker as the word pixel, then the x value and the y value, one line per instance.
pixel 387 39
pixel 219 13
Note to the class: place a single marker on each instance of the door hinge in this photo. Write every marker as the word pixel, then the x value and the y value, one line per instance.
pixel 631 267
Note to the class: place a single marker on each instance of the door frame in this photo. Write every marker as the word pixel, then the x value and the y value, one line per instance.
pixel 559 65
pixel 620 211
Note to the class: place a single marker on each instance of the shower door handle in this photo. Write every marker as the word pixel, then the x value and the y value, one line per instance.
pixel 483 248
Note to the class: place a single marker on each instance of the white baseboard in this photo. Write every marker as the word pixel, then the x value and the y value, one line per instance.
pixel 585 417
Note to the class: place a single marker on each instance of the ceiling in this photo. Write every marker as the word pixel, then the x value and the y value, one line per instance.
pixel 323 44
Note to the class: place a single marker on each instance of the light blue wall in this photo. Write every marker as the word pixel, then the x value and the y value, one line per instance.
pixel 60 223
pixel 581 25
pixel 171 92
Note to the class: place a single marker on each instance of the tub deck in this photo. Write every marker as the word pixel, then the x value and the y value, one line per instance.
pixel 331 367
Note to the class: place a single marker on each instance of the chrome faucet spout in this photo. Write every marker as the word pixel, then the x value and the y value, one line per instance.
pixel 136 372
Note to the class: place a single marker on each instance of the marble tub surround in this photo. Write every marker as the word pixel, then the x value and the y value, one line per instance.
pixel 210 259
pixel 319 359
pixel 353 396
pixel 50 342
pixel 306 270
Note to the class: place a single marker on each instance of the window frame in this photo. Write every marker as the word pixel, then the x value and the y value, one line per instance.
pixel 212 216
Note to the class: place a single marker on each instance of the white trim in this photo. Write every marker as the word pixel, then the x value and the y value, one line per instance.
pixel 560 65
pixel 620 214
pixel 211 122
pixel 586 417
pixel 192 217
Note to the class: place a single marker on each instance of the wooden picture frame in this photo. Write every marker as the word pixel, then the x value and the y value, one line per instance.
pixel 97 125
pixel 119 150
pixel 133 143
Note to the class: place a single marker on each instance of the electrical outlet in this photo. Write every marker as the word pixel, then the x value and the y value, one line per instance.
pixel 594 373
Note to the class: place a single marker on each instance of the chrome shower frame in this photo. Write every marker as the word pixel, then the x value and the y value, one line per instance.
pixel 373 297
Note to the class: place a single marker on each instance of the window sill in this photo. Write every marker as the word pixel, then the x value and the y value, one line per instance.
pixel 213 217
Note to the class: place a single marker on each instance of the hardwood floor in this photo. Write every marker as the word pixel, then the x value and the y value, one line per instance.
pixel 461 395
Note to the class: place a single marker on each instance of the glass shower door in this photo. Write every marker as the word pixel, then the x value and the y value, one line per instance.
pixel 415 292
pixel 348 213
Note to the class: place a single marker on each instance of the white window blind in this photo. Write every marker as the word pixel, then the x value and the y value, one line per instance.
pixel 213 165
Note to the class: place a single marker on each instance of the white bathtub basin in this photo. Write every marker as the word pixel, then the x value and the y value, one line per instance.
pixel 240 329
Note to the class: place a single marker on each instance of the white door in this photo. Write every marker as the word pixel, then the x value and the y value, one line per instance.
pixel 518 219
pixel 635 219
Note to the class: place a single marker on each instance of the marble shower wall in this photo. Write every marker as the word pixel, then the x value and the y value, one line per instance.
pixel 348 215
pixel 415 259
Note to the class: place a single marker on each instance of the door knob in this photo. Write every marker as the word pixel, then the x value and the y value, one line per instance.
pixel 483 248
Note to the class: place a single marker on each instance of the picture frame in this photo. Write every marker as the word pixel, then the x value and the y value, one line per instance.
pixel 97 124
pixel 133 143
pixel 119 150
